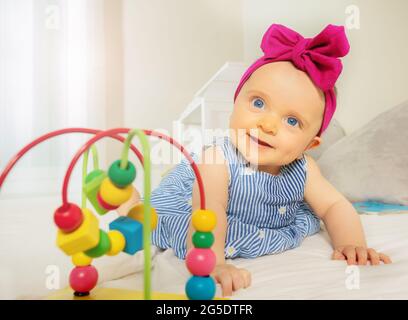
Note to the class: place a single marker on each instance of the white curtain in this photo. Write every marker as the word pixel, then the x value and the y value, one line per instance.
pixel 52 75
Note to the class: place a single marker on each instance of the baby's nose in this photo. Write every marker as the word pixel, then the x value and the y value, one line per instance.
pixel 269 124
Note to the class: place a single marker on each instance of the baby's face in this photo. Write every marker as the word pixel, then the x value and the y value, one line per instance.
pixel 276 115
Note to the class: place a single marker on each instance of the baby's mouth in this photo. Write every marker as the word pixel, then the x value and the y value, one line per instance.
pixel 259 141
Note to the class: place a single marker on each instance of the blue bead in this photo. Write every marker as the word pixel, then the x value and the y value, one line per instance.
pixel 132 231
pixel 200 288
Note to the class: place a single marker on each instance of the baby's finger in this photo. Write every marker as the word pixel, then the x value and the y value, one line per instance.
pixel 226 284
pixel 247 277
pixel 374 257
pixel 362 255
pixel 216 278
pixel 337 255
pixel 386 259
pixel 237 280
pixel 350 253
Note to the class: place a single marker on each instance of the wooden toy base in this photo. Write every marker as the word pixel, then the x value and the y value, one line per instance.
pixel 116 294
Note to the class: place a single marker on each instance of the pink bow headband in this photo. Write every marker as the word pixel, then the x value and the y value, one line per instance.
pixel 318 57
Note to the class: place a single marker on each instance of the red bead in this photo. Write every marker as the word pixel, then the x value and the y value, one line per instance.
pixel 68 217
pixel 104 204
pixel 200 262
pixel 83 279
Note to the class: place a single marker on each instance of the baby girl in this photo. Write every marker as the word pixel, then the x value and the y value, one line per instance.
pixel 267 194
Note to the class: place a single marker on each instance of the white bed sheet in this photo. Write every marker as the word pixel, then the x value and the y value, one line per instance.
pixel 306 272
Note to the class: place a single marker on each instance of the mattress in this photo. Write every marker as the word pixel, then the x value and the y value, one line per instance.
pixel 27 235
pixel 306 272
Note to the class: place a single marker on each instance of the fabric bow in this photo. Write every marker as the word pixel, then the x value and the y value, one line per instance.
pixel 317 56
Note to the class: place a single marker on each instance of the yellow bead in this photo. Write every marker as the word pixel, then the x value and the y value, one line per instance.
pixel 80 259
pixel 113 195
pixel 118 242
pixel 137 213
pixel 83 238
pixel 204 220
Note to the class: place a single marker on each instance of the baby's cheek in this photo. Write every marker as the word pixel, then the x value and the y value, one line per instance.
pixel 233 137
pixel 239 117
pixel 290 154
pixel 234 121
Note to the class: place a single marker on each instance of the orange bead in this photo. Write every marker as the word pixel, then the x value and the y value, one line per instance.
pixel 137 213
pixel 80 259
pixel 113 195
pixel 204 220
pixel 117 241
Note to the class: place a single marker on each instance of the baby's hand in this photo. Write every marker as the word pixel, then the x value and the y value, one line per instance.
pixel 359 255
pixel 231 278
pixel 124 209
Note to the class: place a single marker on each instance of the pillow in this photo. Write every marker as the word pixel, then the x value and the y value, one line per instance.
pixel 29 254
pixel 331 135
pixel 372 162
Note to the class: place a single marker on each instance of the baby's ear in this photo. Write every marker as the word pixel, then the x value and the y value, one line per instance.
pixel 316 141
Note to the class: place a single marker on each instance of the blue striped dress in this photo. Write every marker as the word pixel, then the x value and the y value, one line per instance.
pixel 266 213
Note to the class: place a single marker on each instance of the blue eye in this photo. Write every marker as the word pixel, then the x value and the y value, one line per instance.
pixel 258 103
pixel 293 121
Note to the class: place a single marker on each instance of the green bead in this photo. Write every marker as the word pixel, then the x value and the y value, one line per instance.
pixel 122 177
pixel 203 239
pixel 102 247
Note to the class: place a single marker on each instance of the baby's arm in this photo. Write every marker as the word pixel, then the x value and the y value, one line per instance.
pixel 215 179
pixel 340 218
